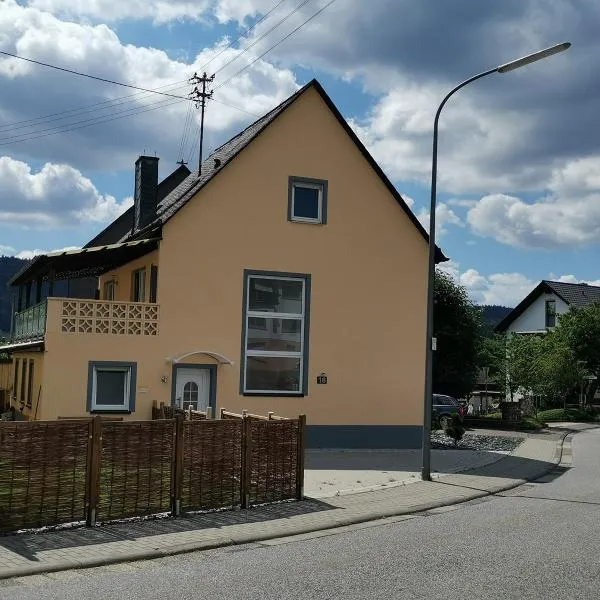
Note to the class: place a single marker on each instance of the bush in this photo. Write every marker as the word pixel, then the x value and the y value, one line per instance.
pixel 455 430
pixel 496 415
pixel 530 424
pixel 567 414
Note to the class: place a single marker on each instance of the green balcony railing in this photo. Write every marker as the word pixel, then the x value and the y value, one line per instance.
pixel 30 324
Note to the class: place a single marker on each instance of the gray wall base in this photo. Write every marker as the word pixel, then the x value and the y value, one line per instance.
pixel 364 436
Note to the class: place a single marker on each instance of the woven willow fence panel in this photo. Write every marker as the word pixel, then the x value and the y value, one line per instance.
pixel 136 469
pixel 274 460
pixel 212 457
pixel 42 474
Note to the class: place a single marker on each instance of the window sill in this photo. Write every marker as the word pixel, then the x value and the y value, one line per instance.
pixel 117 411
pixel 306 221
pixel 275 394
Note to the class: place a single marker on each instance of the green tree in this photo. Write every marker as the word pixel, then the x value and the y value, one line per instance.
pixel 558 372
pixel 456 325
pixel 579 331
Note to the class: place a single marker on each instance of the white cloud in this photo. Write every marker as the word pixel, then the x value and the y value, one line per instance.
pixel 444 216
pixel 505 289
pixel 569 278
pixel 410 202
pixel 29 254
pixel 85 137
pixel 57 195
pixel 160 11
pixel 462 203
pixel 6 250
pixel 569 215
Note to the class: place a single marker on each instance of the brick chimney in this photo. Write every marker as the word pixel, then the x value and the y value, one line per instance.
pixel 145 194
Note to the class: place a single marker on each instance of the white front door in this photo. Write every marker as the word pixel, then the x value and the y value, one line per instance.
pixel 192 388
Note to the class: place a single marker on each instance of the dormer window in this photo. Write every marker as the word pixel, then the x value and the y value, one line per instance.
pixel 307 200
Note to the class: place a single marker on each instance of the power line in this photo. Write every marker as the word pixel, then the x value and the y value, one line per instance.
pixel 69 129
pixel 234 106
pixel 89 107
pixel 275 45
pixel 264 35
pixel 130 112
pixel 60 116
pixel 72 72
pixel 243 51
pixel 188 118
pixel 200 98
pixel 160 104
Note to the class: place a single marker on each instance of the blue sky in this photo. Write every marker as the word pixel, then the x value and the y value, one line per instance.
pixel 519 170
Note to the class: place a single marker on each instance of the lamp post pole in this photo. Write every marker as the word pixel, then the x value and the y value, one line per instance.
pixel 429 340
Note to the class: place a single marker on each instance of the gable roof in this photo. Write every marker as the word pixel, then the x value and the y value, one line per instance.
pixel 577 295
pixel 121 226
pixel 188 188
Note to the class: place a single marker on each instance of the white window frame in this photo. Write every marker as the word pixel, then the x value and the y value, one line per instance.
pixel 269 353
pixel 141 287
pixel 313 186
pixel 109 290
pixel 126 406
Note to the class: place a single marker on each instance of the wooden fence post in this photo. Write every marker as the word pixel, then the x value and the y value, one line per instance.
pixel 300 460
pixel 93 469
pixel 246 462
pixel 178 466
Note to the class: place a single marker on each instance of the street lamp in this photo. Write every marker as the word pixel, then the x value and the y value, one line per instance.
pixel 429 341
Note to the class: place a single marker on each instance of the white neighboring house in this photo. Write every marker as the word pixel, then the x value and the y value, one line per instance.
pixel 538 311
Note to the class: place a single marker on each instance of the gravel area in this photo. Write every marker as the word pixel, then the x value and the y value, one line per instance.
pixel 472 441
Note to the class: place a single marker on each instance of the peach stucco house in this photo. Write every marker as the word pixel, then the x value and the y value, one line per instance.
pixel 289 277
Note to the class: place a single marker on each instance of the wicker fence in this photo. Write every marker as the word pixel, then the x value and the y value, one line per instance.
pixel 96 470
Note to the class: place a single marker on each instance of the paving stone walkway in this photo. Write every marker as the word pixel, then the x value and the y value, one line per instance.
pixel 29 553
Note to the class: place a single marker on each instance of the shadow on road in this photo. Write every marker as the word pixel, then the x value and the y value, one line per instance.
pixel 29 545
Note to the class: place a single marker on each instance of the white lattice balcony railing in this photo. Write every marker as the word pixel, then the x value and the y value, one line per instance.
pixel 120 318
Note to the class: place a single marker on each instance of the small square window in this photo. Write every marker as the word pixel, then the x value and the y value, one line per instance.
pixel 111 387
pixel 307 200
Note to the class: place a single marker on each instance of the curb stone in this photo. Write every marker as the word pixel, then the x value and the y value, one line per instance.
pixel 562 452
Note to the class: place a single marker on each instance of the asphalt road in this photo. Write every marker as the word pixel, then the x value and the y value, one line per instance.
pixel 539 541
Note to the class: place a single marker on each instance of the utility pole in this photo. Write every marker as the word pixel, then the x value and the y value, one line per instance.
pixel 199 98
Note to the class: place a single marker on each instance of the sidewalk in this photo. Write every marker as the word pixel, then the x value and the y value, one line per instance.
pixel 27 554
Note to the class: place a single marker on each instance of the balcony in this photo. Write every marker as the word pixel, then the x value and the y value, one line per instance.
pixel 88 317
pixel 30 324
pixel 103 317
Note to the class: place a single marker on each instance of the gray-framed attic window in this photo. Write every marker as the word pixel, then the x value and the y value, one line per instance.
pixel 275 328
pixel 307 200
pixel 111 387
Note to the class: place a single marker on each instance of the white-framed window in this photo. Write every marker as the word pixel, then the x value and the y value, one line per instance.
pixel 111 386
pixel 190 395
pixel 109 290
pixel 307 200
pixel 138 285
pixel 275 341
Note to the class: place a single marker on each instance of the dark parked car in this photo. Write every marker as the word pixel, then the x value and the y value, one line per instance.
pixel 444 407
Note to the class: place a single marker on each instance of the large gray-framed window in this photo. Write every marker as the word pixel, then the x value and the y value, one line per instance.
pixel 307 200
pixel 111 386
pixel 276 316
